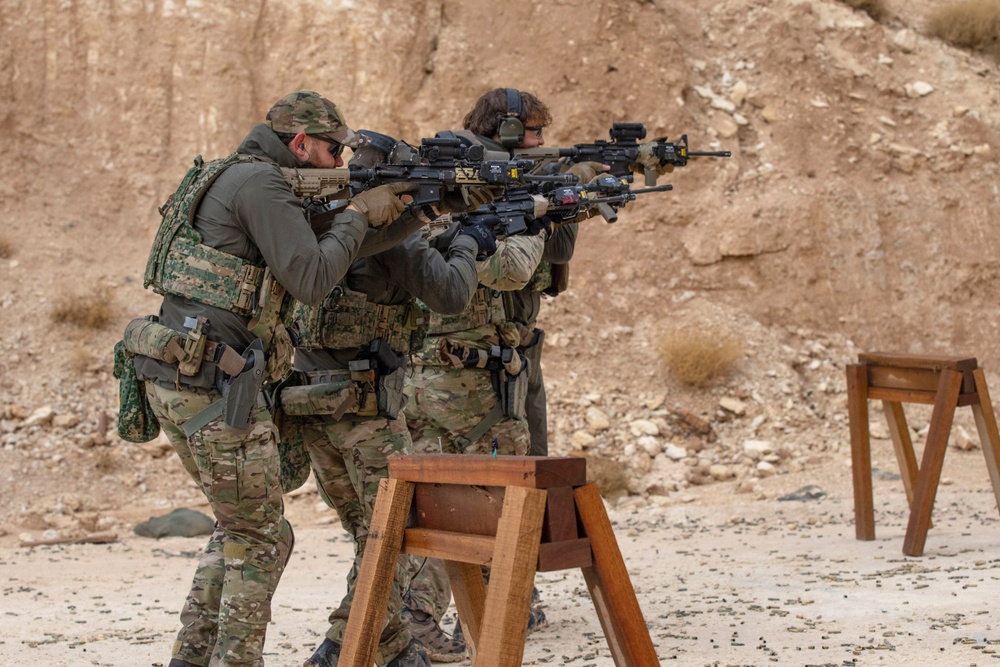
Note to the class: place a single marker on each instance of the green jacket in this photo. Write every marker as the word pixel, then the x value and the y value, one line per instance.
pixel 251 212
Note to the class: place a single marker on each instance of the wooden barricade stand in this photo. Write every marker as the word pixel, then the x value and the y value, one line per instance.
pixel 944 382
pixel 518 514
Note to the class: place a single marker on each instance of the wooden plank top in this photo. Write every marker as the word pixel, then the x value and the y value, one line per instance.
pixel 931 361
pixel 536 472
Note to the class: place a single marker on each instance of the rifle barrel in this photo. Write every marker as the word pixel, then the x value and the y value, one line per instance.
pixel 659 188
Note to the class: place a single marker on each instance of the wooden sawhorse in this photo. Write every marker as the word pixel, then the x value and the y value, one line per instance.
pixel 945 383
pixel 518 514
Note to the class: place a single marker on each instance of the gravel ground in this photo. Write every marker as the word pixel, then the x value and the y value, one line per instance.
pixel 765 582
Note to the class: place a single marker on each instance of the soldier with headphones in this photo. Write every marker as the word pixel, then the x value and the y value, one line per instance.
pixel 458 410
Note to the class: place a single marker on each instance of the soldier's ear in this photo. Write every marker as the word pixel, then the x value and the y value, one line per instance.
pixel 298 146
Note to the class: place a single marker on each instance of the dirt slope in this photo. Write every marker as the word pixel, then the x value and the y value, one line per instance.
pixel 854 214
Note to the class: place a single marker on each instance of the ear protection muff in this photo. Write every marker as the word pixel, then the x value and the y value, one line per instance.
pixel 511 128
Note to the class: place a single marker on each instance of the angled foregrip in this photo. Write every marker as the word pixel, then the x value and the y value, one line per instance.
pixel 608 213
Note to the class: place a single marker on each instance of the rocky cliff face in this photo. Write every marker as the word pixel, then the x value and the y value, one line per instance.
pixel 856 212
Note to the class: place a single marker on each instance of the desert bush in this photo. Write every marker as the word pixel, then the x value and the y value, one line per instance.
pixel 6 249
pixel 609 475
pixel 81 359
pixel 91 311
pixel 970 24
pixel 697 355
pixel 874 8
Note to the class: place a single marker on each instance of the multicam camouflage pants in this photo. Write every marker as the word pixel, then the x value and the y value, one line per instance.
pixel 349 458
pixel 446 403
pixel 225 615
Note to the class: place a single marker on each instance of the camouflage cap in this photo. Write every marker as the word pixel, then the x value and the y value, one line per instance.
pixel 309 112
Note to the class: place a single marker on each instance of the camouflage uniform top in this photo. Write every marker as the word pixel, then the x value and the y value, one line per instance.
pixel 413 269
pixel 558 250
pixel 509 268
pixel 250 212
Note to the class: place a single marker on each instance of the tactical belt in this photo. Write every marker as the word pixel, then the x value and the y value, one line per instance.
pixel 486 307
pixel 332 393
pixel 347 319
pixel 147 337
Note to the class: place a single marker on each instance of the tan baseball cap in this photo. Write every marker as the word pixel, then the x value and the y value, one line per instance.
pixel 309 112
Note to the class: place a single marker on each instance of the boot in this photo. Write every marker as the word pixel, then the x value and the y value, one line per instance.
pixel 325 656
pixel 438 645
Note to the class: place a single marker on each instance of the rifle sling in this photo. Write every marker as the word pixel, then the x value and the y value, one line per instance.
pixel 480 429
pixel 203 417
pixel 208 414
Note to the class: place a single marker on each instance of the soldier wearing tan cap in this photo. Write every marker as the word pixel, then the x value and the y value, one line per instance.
pixel 233 243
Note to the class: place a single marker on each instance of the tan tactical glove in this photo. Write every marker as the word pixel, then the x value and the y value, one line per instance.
pixel 382 205
pixel 586 171
pixel 647 161
pixel 454 202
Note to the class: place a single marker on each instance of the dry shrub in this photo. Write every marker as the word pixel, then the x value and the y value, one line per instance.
pixel 81 359
pixel 91 311
pixel 609 475
pixel 874 8
pixel 697 355
pixel 6 249
pixel 970 24
pixel 106 460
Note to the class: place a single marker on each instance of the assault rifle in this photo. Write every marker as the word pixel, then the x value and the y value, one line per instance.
pixel 439 167
pixel 511 212
pixel 622 152
pixel 606 193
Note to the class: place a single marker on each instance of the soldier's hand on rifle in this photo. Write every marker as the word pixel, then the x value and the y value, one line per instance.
pixel 586 171
pixel 454 202
pixel 484 236
pixel 383 204
pixel 539 225
pixel 647 160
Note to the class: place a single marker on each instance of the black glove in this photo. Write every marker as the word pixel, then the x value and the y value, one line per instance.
pixel 484 236
pixel 538 225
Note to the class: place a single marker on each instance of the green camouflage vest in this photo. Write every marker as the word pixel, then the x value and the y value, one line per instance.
pixel 180 264
pixel 347 319
pixel 486 307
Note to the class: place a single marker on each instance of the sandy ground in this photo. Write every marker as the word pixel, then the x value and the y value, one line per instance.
pixel 759 583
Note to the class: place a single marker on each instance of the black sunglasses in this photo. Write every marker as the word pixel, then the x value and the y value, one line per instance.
pixel 537 129
pixel 336 148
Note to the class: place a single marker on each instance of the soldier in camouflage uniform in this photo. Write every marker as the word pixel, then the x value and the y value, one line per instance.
pixel 348 412
pixel 453 408
pixel 234 238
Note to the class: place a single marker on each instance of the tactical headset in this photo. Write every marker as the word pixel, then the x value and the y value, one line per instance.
pixel 511 127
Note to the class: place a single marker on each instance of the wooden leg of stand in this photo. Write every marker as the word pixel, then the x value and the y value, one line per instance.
pixel 930 467
pixel 508 599
pixel 378 567
pixel 610 586
pixel 986 424
pixel 902 445
pixel 861 451
pixel 467 587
